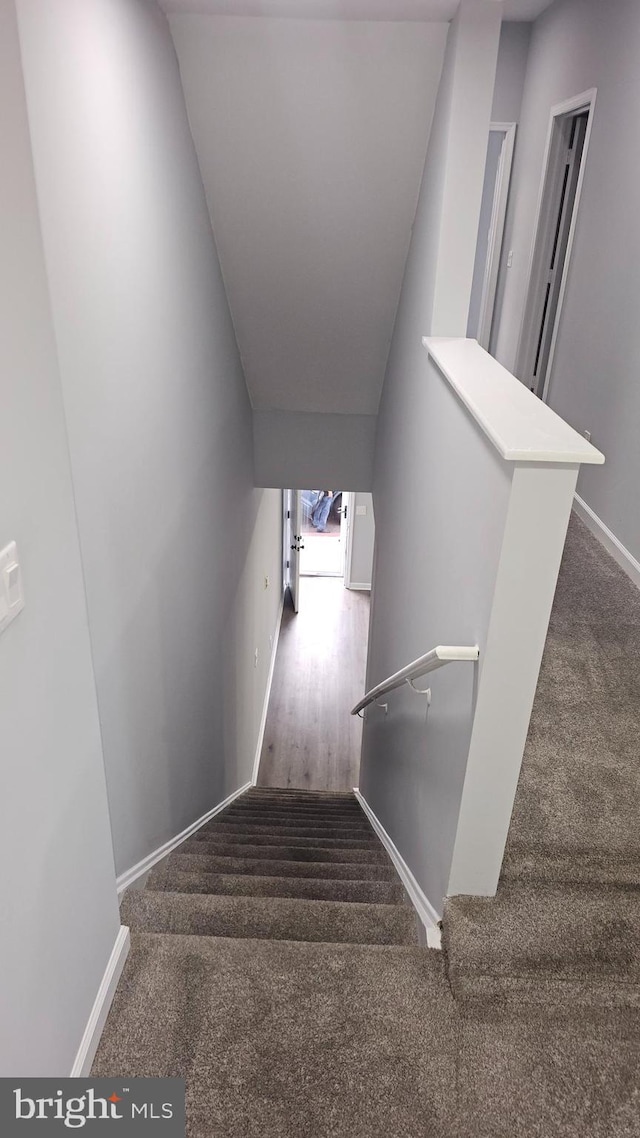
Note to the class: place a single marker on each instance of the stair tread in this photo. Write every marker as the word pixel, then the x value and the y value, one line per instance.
pixel 281 918
pixel 255 1068
pixel 320 888
pixel 294 818
pixel 281 868
pixel 264 836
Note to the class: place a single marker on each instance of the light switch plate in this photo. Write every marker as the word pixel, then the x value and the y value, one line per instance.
pixel 11 594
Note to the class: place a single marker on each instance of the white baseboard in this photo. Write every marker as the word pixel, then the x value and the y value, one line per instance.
pixel 418 898
pixel 100 1010
pixel 130 875
pixel 360 585
pixel 611 543
pixel 267 694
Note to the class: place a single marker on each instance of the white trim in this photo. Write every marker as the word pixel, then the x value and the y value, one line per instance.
pixel 267 694
pixel 521 427
pixel 100 1010
pixel 496 230
pixel 421 903
pixel 348 549
pixel 584 101
pixel 611 543
pixel 362 585
pixel 130 875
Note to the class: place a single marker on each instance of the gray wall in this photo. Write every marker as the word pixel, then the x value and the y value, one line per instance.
pixel 494 151
pixel 411 496
pixel 58 899
pixel 296 449
pixel 157 410
pixel 251 625
pixel 575 45
pixel 513 53
pixel 513 56
pixel 435 572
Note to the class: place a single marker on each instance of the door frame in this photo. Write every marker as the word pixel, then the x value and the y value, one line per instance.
pixel 291 516
pixel 348 544
pixel 496 231
pixel 286 567
pixel 583 102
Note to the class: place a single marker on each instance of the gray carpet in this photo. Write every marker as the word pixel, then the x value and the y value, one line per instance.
pixel 577 810
pixel 288 1040
pixel 276 966
pixel 275 962
pixel 547 974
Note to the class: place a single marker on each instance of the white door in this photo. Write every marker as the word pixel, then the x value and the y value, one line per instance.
pixel 294 544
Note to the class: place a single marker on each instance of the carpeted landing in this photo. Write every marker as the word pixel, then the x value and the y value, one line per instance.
pixel 276 965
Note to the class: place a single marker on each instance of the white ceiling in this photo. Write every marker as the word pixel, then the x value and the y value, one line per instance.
pixel 435 10
pixel 311 139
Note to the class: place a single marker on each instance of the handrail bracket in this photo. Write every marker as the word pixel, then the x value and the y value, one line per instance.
pixel 436 658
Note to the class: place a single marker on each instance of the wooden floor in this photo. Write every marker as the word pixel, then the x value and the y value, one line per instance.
pixel 311 740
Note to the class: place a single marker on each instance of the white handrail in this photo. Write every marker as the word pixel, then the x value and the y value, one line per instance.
pixel 436 658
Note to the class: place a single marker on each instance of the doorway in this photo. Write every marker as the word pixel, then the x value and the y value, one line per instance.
pixel 324 518
pixel 334 542
pixel 311 739
pixel 563 174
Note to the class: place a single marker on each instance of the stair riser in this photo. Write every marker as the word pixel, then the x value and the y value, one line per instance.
pixel 569 933
pixel 362 836
pixel 585 871
pixel 314 889
pixel 344 870
pixel 275 803
pixel 347 805
pixel 267 838
pixel 308 797
pixel 289 818
pixel 284 852
pixel 268 918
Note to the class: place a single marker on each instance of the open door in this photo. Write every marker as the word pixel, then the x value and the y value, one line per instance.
pixel 293 544
pixel 345 527
pixel 567 144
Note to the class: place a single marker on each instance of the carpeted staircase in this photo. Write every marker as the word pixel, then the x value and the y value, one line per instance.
pixel 275 962
pixel 276 965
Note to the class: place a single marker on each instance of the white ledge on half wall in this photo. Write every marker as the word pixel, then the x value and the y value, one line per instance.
pixel 521 427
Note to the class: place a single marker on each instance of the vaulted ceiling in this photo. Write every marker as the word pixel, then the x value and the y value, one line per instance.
pixel 311 136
